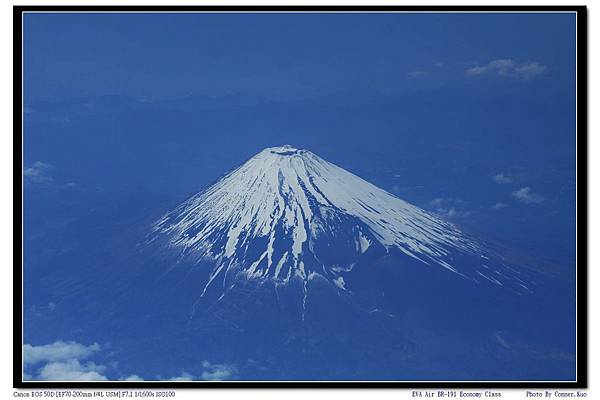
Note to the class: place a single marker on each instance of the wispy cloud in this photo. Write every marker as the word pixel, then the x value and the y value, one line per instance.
pixel 450 207
pixel 509 68
pixel 38 173
pixel 210 372
pixel 453 212
pixel 132 378
pixel 217 372
pixel 439 64
pixel 417 74
pixel 183 377
pixel 437 201
pixel 501 178
pixel 527 196
pixel 499 206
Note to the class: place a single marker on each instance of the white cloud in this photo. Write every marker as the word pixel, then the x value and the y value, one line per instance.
pixel 530 70
pixel 450 207
pixel 509 68
pixel 438 201
pixel 501 340
pixel 439 64
pixel 68 361
pixel 71 370
pixel 183 377
pixel 453 212
pixel 132 378
pixel 527 196
pixel 499 206
pixel 38 173
pixel 57 351
pixel 416 74
pixel 217 372
pixel 63 361
pixel 501 178
pixel 211 372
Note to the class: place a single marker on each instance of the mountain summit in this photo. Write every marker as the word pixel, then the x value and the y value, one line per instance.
pixel 288 214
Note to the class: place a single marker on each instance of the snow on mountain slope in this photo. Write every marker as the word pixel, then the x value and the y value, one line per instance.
pixel 288 213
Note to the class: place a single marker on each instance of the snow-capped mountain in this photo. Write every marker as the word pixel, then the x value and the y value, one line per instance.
pixel 290 267
pixel 288 214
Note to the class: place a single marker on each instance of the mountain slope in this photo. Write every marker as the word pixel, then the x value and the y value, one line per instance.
pixel 287 213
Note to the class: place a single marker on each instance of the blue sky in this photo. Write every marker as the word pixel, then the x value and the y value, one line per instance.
pixel 282 56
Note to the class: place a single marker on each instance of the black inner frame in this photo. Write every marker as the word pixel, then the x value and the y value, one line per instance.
pixel 581 192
